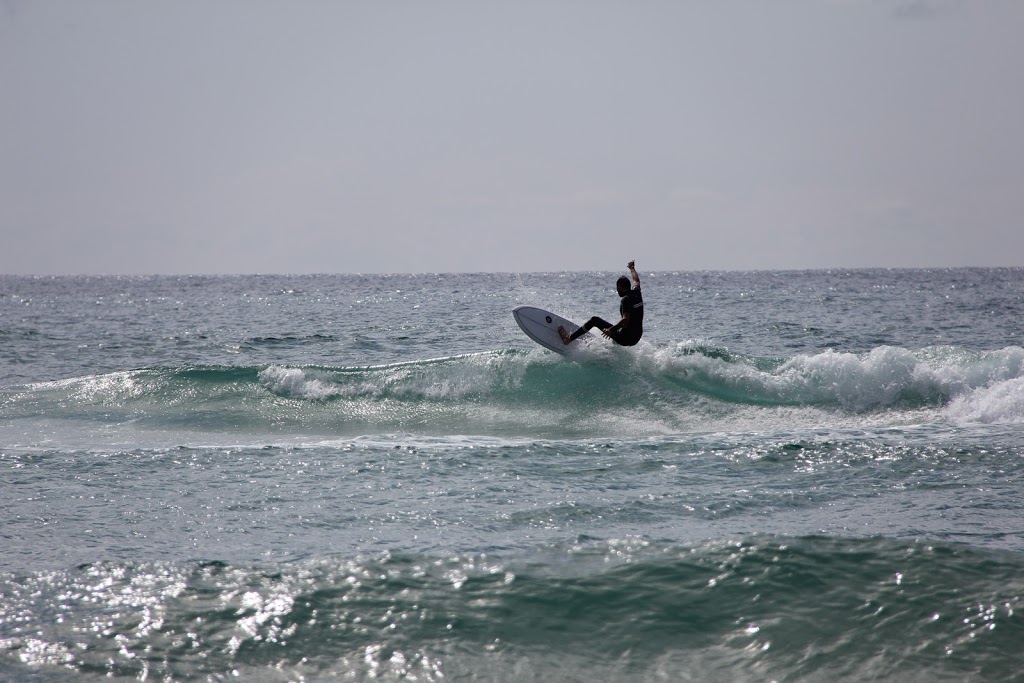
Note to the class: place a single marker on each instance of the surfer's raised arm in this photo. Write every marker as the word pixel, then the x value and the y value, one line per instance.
pixel 632 271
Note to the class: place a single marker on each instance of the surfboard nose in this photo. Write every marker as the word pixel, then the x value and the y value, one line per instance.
pixel 543 327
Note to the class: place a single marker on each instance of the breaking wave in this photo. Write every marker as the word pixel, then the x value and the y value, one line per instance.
pixel 509 393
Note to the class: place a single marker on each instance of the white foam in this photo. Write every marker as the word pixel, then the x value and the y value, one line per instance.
pixel 881 377
pixel 1000 402
pixel 450 378
pixel 885 376
pixel 294 382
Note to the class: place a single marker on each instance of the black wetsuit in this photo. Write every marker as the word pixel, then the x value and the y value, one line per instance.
pixel 630 335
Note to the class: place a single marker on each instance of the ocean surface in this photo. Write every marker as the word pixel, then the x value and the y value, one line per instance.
pixel 811 476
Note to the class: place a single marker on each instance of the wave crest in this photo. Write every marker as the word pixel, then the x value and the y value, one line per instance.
pixel 886 377
pixel 646 390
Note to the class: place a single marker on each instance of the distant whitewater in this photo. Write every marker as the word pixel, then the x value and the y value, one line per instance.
pixel 795 475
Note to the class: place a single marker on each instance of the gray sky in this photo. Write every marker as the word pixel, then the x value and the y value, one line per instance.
pixel 243 136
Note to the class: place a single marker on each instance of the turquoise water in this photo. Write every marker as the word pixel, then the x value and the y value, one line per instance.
pixel 795 476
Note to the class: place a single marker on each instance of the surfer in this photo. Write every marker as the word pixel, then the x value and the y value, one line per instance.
pixel 626 332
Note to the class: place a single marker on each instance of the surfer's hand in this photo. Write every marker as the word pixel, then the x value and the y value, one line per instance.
pixel 631 265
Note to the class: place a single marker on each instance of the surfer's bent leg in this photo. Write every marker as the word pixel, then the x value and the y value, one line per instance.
pixel 599 323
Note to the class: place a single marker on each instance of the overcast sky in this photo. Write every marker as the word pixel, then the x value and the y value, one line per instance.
pixel 476 135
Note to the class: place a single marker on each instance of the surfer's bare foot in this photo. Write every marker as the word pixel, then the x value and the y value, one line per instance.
pixel 564 335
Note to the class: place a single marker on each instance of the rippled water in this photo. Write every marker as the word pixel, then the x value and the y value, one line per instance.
pixel 808 476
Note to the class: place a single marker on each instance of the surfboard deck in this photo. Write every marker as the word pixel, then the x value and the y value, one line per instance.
pixel 542 327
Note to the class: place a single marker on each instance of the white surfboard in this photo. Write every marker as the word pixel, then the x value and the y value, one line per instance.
pixel 542 327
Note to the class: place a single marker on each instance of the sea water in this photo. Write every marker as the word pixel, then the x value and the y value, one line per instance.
pixel 794 476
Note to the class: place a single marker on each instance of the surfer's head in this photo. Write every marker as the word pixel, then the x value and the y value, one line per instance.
pixel 622 285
